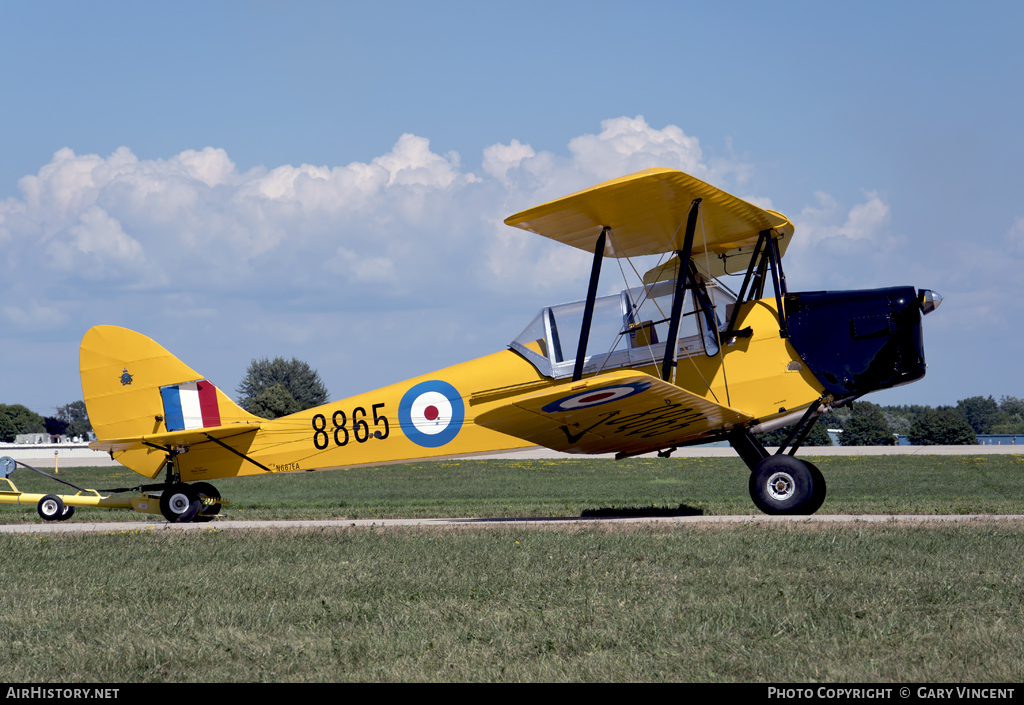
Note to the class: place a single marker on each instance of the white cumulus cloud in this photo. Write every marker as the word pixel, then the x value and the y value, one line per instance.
pixel 97 241
pixel 499 158
pixel 358 264
pixel 625 145
pixel 830 237
pixel 328 252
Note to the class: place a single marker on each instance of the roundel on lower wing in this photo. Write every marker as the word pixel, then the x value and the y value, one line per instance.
pixel 596 397
pixel 431 413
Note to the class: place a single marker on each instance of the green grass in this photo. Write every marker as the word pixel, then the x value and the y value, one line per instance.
pixel 769 603
pixel 578 602
pixel 506 488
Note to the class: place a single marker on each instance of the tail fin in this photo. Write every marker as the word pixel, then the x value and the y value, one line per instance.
pixel 134 387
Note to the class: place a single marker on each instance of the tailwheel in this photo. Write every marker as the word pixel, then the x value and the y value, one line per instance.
pixel 210 500
pixel 180 503
pixel 781 484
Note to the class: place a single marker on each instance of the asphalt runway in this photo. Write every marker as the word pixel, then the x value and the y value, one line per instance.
pixel 542 522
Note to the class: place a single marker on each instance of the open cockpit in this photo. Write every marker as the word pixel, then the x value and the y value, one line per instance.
pixel 628 329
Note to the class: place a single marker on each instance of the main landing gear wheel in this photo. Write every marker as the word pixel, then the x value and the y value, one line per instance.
pixel 180 503
pixel 818 498
pixel 781 484
pixel 210 508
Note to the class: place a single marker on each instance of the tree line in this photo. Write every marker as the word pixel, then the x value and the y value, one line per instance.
pixel 69 420
pixel 865 424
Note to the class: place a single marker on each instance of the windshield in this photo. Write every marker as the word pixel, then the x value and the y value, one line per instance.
pixel 627 329
pixel 554 334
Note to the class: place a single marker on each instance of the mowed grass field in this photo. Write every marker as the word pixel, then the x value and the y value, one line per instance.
pixel 577 602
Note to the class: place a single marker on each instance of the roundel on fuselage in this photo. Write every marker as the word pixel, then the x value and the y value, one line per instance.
pixel 431 413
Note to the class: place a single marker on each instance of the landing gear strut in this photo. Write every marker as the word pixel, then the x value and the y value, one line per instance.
pixel 181 503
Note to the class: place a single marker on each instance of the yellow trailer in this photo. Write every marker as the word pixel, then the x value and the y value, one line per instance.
pixel 54 507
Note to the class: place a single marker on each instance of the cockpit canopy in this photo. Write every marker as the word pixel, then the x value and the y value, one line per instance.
pixel 629 329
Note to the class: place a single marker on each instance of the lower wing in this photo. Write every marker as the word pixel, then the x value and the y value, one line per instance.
pixel 619 412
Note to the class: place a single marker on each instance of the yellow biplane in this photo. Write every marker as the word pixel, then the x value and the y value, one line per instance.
pixel 680 359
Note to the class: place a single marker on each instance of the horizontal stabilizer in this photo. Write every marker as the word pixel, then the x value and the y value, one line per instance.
pixel 618 412
pixel 174 439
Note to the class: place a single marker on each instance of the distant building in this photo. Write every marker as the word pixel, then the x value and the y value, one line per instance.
pixel 37 438
pixel 995 439
pixel 1001 439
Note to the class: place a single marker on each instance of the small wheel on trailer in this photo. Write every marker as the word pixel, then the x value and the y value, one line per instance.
pixel 210 508
pixel 179 503
pixel 781 484
pixel 68 513
pixel 51 508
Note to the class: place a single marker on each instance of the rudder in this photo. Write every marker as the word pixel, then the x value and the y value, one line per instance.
pixel 134 387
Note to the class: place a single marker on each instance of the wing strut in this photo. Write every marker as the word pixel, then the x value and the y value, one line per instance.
pixel 588 312
pixel 730 331
pixel 677 297
pixel 761 261
pixel 780 284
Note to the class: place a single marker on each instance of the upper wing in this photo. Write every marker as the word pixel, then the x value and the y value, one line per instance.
pixel 645 211
pixel 621 412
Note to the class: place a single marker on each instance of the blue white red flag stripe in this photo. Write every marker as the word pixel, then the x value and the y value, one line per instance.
pixel 208 403
pixel 191 405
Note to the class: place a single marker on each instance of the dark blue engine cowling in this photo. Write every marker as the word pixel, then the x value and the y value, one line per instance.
pixel 858 341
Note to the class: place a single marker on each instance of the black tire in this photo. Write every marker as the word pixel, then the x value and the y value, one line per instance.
pixel 781 484
pixel 176 503
pixel 213 508
pixel 818 497
pixel 68 513
pixel 192 513
pixel 51 508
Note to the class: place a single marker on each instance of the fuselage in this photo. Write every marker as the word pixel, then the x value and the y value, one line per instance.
pixel 829 344
pixel 762 376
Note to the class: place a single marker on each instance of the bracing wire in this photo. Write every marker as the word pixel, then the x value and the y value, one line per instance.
pixel 646 295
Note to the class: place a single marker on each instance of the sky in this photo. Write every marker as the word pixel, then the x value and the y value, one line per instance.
pixel 328 181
